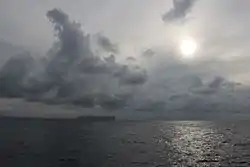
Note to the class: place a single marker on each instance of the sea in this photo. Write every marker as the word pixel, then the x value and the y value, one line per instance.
pixel 78 143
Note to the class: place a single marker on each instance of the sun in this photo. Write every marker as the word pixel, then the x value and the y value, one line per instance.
pixel 188 48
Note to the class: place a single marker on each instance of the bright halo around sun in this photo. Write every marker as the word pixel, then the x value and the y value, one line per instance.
pixel 188 48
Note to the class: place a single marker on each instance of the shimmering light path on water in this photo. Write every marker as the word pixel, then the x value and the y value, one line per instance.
pixel 111 144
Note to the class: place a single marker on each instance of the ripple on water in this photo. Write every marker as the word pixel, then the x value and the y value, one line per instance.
pixel 193 143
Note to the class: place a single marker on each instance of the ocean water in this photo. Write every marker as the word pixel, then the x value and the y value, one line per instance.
pixel 35 142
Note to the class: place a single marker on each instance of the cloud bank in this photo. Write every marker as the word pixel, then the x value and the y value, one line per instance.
pixel 72 73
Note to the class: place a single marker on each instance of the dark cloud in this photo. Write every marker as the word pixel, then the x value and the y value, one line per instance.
pixel 112 102
pixel 216 85
pixel 148 53
pixel 105 43
pixel 70 73
pixel 74 45
pixel 94 65
pixel 131 59
pixel 13 74
pixel 85 101
pixel 110 59
pixel 179 10
pixel 217 82
pixel 192 81
pixel 152 106
pixel 137 77
pixel 8 50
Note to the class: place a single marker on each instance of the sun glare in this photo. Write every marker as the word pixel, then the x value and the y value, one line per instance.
pixel 188 48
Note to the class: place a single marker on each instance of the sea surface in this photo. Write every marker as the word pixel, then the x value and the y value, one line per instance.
pixel 74 143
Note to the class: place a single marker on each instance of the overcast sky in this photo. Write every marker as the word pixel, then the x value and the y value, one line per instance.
pixel 134 24
pixel 220 28
pixel 147 34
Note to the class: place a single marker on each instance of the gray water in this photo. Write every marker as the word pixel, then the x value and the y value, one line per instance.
pixel 34 142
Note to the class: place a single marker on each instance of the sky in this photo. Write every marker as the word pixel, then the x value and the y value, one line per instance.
pixel 140 40
pixel 216 25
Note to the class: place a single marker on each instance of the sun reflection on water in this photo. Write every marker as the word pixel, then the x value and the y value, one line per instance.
pixel 192 142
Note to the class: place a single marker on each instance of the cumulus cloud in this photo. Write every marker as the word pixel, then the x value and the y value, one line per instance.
pixel 105 43
pixel 148 53
pixel 131 59
pixel 13 73
pixel 136 77
pixel 71 72
pixel 179 10
pixel 217 82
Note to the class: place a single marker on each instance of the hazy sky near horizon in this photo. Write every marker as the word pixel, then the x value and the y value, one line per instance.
pixel 220 28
